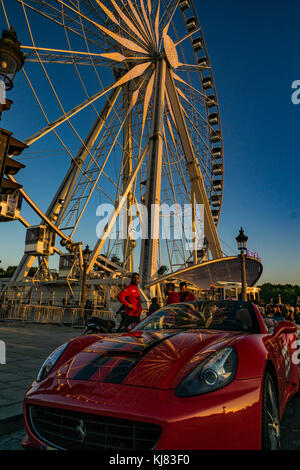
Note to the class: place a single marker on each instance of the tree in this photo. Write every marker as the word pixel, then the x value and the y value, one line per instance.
pixel 9 271
pixel 287 293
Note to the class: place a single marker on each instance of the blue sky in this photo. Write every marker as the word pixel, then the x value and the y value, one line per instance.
pixel 253 47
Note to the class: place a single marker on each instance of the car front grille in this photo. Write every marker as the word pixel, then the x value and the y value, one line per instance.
pixel 66 429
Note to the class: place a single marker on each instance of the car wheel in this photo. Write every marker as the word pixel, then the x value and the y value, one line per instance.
pixel 270 416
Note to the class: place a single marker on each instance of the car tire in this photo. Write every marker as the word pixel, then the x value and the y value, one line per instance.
pixel 270 415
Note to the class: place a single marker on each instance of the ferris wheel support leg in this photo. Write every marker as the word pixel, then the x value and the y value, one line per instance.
pixel 149 248
pixel 127 165
pixel 23 268
pixel 193 168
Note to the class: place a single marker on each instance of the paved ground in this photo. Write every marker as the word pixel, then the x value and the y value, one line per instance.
pixel 12 441
pixel 290 425
pixel 28 345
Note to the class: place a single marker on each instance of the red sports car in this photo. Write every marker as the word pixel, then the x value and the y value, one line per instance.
pixel 199 375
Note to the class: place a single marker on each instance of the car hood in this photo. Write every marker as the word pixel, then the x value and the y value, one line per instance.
pixel 149 359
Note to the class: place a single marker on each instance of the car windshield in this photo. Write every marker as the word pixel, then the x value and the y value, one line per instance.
pixel 223 315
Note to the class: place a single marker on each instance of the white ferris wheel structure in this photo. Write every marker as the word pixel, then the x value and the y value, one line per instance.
pixel 133 91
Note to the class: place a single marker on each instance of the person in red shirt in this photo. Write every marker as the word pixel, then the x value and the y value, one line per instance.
pixel 185 295
pixel 131 299
pixel 171 295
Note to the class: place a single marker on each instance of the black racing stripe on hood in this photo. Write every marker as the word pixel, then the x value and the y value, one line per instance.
pixel 120 372
pixel 89 370
pixel 129 360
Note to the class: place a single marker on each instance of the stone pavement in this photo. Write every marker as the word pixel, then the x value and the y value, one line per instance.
pixel 12 441
pixel 27 346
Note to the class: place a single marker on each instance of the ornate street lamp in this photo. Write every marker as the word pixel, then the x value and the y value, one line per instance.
pixel 11 57
pixel 242 246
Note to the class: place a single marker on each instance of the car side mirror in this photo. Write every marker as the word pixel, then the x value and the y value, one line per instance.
pixel 284 327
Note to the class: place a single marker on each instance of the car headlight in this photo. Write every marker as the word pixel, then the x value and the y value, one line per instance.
pixel 50 362
pixel 215 372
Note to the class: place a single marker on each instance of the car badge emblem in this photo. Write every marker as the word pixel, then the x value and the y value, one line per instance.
pixel 81 429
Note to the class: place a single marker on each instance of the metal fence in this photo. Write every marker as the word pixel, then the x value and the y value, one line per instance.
pixel 48 314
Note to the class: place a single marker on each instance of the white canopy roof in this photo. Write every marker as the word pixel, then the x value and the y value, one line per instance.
pixel 219 270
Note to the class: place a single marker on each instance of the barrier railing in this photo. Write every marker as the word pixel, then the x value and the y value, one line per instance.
pixel 49 314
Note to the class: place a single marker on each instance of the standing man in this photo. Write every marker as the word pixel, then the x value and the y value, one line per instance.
pixel 172 297
pixel 185 295
pixel 131 299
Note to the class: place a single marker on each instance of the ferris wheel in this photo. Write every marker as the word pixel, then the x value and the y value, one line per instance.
pixel 126 88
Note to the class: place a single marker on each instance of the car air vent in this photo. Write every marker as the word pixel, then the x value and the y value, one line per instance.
pixel 70 430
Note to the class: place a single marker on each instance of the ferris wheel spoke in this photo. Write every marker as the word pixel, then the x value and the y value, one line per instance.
pixel 74 161
pixel 69 181
pixel 164 27
pixel 171 184
pixel 148 94
pixel 54 15
pixel 103 237
pixel 176 157
pixel 33 49
pixel 194 171
pixel 99 18
pixel 48 78
pixel 208 125
pixel 130 24
pixel 178 166
pixel 135 18
pixel 51 126
pixel 99 173
pixel 190 87
pixel 169 11
pixel 59 102
pixel 204 164
pixel 144 41
pixel 187 36
pixel 121 40
pixel 100 170
pixel 91 63
pixel 146 21
pixel 87 46
pixel 134 72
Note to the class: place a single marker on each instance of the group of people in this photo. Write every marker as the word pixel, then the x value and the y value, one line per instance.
pixel 131 308
pixel 173 297
pixel 130 299
pixel 283 312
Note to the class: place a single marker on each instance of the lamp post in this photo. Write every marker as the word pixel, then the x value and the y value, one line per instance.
pixel 85 254
pixel 242 246
pixel 11 57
